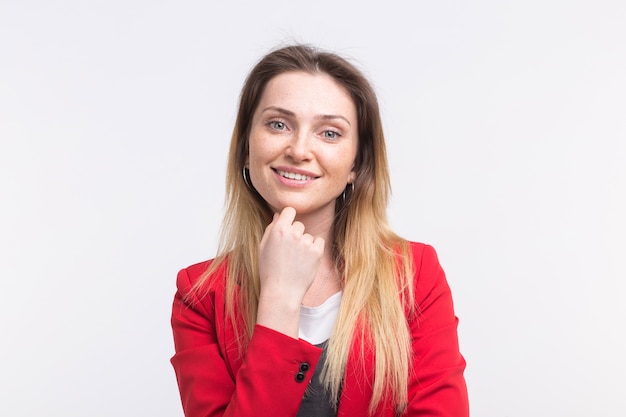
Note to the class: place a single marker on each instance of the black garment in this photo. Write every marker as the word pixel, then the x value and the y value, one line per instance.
pixel 316 401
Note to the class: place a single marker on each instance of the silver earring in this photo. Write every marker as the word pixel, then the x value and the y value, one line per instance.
pixel 343 195
pixel 246 178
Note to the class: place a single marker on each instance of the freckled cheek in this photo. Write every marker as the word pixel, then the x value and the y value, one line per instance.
pixel 261 147
pixel 258 159
pixel 256 151
pixel 342 163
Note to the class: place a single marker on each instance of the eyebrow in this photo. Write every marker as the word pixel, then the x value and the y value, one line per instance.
pixel 319 117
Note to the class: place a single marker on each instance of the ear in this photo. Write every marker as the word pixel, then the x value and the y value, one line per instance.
pixel 352 177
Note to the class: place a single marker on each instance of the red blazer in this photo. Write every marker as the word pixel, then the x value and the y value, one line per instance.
pixel 270 380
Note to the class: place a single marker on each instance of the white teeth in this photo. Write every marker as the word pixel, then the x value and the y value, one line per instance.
pixel 293 175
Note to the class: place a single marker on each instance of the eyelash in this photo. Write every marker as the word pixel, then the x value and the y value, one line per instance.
pixel 273 125
pixel 334 132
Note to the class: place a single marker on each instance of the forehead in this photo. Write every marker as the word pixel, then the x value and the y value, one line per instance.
pixel 308 94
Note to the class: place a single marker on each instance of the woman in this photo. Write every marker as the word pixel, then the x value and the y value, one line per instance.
pixel 313 305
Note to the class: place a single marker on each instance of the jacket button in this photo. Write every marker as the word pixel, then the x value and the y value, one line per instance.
pixel 304 367
pixel 299 377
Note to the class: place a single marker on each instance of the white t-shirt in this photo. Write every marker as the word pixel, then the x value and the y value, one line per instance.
pixel 316 323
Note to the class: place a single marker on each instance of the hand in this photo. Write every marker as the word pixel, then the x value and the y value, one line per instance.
pixel 288 257
pixel 288 262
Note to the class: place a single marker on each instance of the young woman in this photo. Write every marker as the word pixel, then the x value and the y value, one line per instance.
pixel 313 306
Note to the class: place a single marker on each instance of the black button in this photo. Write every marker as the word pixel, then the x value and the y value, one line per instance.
pixel 299 377
pixel 304 367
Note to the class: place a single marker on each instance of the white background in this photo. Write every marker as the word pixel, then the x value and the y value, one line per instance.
pixel 506 130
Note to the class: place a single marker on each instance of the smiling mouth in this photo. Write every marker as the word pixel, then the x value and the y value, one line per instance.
pixel 293 175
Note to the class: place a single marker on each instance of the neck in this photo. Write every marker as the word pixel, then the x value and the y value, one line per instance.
pixel 318 224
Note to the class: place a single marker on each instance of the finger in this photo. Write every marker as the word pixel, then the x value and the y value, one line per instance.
pixel 318 245
pixel 298 228
pixel 307 239
pixel 287 216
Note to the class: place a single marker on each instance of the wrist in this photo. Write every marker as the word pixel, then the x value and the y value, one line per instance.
pixel 280 314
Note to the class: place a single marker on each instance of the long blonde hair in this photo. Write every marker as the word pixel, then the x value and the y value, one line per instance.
pixel 375 262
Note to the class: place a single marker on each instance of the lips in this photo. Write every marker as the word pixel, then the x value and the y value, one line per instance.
pixel 294 175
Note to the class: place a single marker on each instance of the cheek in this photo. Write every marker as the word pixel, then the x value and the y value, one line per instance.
pixel 257 157
pixel 259 146
pixel 348 163
pixel 255 150
pixel 343 172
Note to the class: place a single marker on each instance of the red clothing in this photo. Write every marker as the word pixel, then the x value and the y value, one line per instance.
pixel 272 377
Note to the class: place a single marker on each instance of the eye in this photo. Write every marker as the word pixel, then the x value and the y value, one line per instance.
pixel 331 134
pixel 277 125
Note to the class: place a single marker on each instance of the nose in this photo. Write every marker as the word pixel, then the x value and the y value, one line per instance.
pixel 299 147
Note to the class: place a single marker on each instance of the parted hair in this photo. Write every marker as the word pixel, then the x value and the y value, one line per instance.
pixel 374 262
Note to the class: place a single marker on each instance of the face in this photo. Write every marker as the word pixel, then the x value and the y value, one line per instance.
pixel 303 143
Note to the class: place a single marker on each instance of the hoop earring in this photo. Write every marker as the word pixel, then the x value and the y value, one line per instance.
pixel 343 195
pixel 246 178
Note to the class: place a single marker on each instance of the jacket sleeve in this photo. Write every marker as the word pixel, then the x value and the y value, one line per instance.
pixel 437 386
pixel 272 377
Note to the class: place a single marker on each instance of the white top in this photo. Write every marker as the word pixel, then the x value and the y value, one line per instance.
pixel 316 323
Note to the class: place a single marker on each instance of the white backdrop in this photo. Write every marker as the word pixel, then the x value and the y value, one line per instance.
pixel 506 128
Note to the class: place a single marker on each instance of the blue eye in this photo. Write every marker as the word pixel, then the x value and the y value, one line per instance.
pixel 275 124
pixel 330 134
